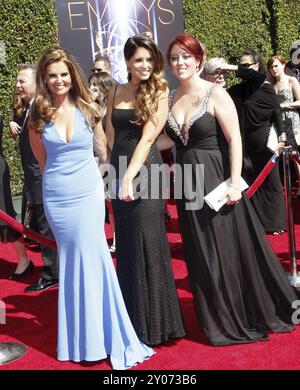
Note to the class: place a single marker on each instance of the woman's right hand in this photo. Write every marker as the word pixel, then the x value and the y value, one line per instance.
pixel 233 195
pixel 14 129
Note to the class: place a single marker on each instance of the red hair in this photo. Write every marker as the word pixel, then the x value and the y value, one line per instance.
pixel 190 44
pixel 278 57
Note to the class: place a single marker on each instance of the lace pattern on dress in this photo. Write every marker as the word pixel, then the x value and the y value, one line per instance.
pixel 182 131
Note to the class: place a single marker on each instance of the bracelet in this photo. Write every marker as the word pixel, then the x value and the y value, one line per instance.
pixel 234 186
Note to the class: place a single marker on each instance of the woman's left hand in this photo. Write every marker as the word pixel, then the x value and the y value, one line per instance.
pixel 126 191
pixel 233 196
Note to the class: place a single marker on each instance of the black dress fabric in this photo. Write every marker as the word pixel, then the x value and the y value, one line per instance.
pixel 239 287
pixel 258 108
pixel 6 205
pixel 142 251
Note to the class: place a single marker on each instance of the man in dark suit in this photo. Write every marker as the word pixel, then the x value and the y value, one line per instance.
pixel 32 190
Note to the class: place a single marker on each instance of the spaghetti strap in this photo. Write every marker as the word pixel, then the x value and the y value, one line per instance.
pixel 207 96
pixel 113 103
pixel 171 98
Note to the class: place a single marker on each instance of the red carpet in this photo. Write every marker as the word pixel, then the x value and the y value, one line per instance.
pixel 32 320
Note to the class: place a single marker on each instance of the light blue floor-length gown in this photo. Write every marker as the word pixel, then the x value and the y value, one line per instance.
pixel 92 319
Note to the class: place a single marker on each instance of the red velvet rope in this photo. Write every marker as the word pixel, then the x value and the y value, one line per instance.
pixel 262 176
pixel 25 231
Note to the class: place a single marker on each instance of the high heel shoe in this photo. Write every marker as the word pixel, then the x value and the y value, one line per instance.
pixel 29 268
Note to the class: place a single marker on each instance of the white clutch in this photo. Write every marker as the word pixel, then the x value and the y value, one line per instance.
pixel 272 143
pixel 213 198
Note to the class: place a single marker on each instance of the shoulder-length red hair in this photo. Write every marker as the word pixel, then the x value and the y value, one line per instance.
pixel 190 44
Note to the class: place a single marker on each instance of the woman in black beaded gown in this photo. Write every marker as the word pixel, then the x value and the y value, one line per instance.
pixel 240 290
pixel 136 113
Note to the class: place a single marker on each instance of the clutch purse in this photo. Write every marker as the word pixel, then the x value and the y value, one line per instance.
pixel 272 142
pixel 213 197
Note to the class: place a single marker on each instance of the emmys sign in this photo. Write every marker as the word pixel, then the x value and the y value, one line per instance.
pixel 90 27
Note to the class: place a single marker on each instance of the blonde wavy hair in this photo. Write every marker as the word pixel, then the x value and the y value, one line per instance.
pixel 18 105
pixel 43 108
pixel 148 91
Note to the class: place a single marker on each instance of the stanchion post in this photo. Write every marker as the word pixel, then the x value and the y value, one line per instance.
pixel 294 278
pixel 9 352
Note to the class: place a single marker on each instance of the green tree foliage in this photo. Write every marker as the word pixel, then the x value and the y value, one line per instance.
pixel 286 21
pixel 27 27
pixel 228 27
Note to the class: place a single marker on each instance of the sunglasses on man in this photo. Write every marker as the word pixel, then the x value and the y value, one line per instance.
pixel 247 65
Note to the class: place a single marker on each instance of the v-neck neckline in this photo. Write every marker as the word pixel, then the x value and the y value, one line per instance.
pixel 182 131
pixel 59 133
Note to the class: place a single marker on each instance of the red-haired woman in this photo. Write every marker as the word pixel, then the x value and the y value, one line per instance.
pixel 240 290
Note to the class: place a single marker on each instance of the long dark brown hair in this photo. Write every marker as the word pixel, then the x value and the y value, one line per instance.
pixel 148 91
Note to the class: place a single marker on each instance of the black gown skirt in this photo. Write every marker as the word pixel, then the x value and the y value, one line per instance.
pixel 240 289
pixel 143 256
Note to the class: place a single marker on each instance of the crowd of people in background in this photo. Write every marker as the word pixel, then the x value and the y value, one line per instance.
pixel 74 131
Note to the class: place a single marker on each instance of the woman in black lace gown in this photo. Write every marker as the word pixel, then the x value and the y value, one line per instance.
pixel 240 290
pixel 136 113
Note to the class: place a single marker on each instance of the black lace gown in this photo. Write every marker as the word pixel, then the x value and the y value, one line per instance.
pixel 142 251
pixel 239 287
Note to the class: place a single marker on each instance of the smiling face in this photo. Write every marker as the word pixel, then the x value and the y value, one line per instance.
pixel 183 64
pixel 25 84
pixel 58 78
pixel 141 65
pixel 94 87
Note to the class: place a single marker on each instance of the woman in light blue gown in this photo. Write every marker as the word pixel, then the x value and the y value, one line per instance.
pixel 65 128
